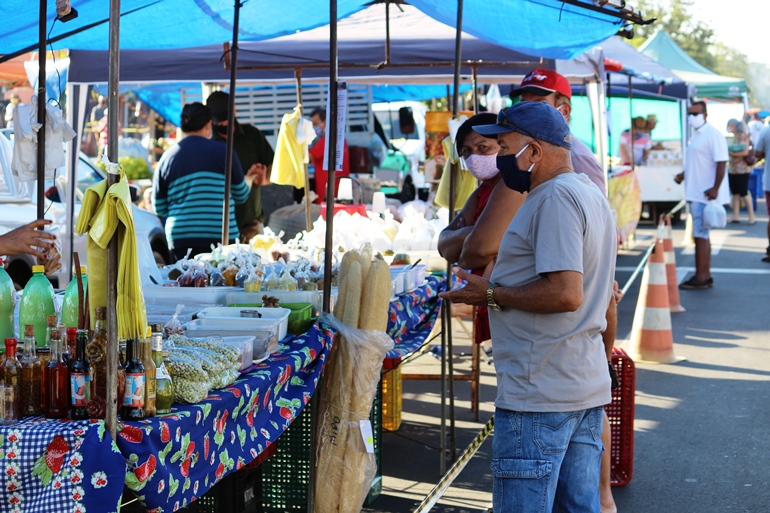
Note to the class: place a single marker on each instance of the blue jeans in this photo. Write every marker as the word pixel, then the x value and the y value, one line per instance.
pixel 544 462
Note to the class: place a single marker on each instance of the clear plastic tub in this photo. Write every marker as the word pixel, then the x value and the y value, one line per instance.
pixel 254 299
pixel 228 313
pixel 245 345
pixel 233 328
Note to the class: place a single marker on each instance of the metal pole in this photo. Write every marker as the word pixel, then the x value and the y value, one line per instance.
pixel 609 117
pixel 41 101
pixel 331 138
pixel 631 130
pixel 230 128
pixel 475 80
pixel 113 107
pixel 452 180
pixel 308 217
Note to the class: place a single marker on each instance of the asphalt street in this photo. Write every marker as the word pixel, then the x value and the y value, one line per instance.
pixel 701 436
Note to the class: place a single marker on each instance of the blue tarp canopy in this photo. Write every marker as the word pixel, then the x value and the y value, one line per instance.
pixel 547 28
pixel 415 38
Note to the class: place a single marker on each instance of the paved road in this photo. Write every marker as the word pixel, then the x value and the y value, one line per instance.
pixel 701 429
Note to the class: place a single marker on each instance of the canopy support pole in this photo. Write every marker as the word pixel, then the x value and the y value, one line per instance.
pixel 631 130
pixel 113 108
pixel 230 128
pixel 308 217
pixel 41 101
pixel 446 353
pixel 475 81
pixel 609 116
pixel 331 164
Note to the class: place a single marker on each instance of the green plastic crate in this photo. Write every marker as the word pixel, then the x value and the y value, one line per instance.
pixel 286 475
pixel 300 317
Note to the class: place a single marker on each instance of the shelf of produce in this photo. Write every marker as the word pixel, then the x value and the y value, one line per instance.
pixel 166 460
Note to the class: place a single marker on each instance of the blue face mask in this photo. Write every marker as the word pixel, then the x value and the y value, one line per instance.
pixel 514 177
pixel 318 130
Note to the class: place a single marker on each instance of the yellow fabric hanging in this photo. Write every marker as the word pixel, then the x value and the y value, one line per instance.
pixel 104 213
pixel 290 155
pixel 465 183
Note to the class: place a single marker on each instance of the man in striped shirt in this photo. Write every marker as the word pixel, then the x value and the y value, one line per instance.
pixel 189 187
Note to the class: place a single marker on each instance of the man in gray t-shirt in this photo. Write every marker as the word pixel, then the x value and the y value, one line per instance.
pixel 548 298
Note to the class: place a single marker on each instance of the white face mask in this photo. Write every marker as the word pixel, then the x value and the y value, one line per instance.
pixel 483 167
pixel 696 120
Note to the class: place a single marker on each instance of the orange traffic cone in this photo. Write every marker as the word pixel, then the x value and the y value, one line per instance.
pixel 651 338
pixel 670 257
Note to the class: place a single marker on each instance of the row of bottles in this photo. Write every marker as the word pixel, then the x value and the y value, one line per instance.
pixel 37 303
pixel 69 379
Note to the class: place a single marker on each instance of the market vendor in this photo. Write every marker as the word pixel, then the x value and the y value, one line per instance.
pixel 642 144
pixel 256 157
pixel 317 151
pixel 189 186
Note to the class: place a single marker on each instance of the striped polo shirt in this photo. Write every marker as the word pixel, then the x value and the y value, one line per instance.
pixel 189 187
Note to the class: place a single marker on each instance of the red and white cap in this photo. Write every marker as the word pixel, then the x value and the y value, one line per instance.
pixel 543 82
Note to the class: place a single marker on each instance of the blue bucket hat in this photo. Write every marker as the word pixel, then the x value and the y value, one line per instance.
pixel 534 119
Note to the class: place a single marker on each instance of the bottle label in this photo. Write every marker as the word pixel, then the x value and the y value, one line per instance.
pixel 156 344
pixel 81 389
pixel 151 389
pixel 162 373
pixel 134 395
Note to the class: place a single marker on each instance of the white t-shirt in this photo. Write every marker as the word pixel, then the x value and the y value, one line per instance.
pixel 763 144
pixel 755 128
pixel 707 147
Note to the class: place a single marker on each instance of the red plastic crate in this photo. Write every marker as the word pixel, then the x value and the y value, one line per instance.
pixel 620 413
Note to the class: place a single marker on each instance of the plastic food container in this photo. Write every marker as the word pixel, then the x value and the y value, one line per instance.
pixel 185 295
pixel 265 343
pixel 268 316
pixel 409 276
pixel 254 299
pixel 233 328
pixel 300 318
pixel 245 345
pixel 396 282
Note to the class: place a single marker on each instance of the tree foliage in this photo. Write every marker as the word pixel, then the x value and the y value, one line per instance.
pixel 699 40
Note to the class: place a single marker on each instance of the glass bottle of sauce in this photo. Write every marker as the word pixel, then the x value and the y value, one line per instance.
pixel 133 399
pixel 31 376
pixel 80 379
pixel 145 352
pixel 96 352
pixel 164 388
pixel 11 384
pixel 56 377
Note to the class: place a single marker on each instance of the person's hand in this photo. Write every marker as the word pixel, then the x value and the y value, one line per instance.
pixel 679 177
pixel 712 193
pixel 28 240
pixel 258 171
pixel 474 292
pixel 616 292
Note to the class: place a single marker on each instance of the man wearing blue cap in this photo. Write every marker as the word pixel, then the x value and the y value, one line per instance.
pixel 548 298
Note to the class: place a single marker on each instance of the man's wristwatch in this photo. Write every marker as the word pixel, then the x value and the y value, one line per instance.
pixel 491 297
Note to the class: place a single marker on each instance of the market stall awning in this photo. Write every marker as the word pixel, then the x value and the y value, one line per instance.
pixel 548 28
pixel 415 39
pixel 664 49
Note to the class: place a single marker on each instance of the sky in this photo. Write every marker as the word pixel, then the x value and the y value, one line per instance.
pixel 730 21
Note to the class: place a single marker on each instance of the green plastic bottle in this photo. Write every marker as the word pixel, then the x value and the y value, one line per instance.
pixel 6 304
pixel 69 307
pixel 37 304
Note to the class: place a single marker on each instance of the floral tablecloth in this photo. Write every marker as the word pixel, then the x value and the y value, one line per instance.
pixel 412 316
pixel 54 466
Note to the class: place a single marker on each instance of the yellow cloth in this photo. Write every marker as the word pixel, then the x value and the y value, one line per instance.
pixel 290 155
pixel 103 214
pixel 465 183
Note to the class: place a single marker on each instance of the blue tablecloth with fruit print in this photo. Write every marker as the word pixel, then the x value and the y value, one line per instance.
pixel 412 316
pixel 175 458
pixel 56 467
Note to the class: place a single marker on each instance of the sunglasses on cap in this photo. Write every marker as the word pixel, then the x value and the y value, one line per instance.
pixel 503 120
